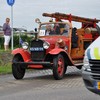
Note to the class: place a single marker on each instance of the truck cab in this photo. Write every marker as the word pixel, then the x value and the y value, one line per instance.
pixel 57 45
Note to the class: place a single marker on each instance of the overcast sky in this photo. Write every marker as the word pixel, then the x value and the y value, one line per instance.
pixel 25 11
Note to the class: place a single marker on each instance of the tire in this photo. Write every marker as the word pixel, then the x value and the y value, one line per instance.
pixel 58 67
pixel 17 70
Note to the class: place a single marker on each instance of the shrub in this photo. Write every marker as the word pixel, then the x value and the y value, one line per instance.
pixel 1 42
pixel 16 40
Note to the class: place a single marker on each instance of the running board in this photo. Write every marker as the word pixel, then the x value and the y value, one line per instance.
pixel 79 64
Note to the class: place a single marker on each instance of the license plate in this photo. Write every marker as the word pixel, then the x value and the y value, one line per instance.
pixel 97 85
pixel 36 49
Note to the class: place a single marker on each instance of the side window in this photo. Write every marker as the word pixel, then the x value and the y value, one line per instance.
pixel 65 30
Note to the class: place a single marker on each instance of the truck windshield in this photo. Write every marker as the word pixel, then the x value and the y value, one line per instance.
pixel 54 29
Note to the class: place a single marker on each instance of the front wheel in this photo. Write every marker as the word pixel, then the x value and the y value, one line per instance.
pixel 17 70
pixel 58 67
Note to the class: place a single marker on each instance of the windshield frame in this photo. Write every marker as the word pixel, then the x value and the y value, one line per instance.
pixel 67 23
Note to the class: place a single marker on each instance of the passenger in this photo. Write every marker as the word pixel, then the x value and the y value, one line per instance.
pixel 66 30
pixel 49 30
pixel 57 28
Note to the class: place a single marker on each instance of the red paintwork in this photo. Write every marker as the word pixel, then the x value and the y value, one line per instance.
pixel 60 66
pixel 26 56
pixel 24 53
pixel 56 51
pixel 53 39
pixel 87 36
pixel 35 66
pixel 52 49
pixel 70 18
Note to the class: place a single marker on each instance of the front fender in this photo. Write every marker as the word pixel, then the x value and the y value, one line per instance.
pixel 56 51
pixel 24 53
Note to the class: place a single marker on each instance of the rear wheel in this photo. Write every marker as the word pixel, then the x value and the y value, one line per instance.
pixel 58 67
pixel 17 70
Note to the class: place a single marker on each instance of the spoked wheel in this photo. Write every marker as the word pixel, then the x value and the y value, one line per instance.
pixel 58 67
pixel 17 70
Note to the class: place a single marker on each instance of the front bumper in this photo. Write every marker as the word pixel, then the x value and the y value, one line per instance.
pixel 33 64
pixel 90 83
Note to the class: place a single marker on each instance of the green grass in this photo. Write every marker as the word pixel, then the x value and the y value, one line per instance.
pixel 3 51
pixel 5 62
pixel 5 69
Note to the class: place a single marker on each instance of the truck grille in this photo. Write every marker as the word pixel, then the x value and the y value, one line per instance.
pixel 95 68
pixel 37 50
pixel 96 77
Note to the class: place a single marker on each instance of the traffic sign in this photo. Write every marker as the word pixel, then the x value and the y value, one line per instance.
pixel 11 2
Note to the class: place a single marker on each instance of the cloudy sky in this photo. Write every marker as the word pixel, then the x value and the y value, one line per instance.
pixel 25 11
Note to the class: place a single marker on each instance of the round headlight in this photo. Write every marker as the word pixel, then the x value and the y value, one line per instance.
pixel 25 45
pixel 46 45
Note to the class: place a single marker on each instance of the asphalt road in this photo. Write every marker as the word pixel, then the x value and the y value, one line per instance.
pixel 40 85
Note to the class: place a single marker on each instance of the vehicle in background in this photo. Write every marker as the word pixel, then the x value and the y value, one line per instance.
pixel 91 67
pixel 57 45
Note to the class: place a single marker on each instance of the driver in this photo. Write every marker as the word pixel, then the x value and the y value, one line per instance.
pixel 49 30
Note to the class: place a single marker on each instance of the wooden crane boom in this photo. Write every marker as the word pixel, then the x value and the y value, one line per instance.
pixel 70 17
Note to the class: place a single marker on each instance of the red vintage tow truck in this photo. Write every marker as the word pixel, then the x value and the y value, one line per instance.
pixel 57 45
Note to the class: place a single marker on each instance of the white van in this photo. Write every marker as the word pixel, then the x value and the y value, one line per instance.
pixel 91 67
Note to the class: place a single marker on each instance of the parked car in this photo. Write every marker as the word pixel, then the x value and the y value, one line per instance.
pixel 57 45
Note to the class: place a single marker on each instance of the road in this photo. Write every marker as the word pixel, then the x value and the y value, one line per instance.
pixel 40 85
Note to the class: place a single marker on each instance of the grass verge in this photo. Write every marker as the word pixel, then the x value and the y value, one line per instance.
pixel 5 69
pixel 5 62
